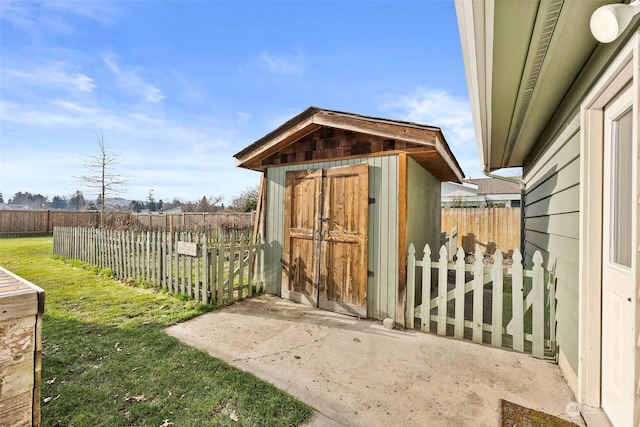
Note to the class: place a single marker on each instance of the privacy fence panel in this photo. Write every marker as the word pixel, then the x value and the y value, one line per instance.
pixel 217 225
pixel 491 303
pixel 489 228
pixel 183 263
pixel 41 222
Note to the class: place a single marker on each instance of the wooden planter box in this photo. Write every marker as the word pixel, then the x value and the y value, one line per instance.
pixel 21 309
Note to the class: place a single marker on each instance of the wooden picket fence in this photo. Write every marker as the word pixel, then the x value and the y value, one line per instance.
pixel 181 263
pixel 492 304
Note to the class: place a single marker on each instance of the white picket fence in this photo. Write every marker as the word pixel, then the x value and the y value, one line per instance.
pixel 492 304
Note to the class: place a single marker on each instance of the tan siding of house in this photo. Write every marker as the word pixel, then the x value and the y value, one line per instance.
pixel 383 229
pixel 551 225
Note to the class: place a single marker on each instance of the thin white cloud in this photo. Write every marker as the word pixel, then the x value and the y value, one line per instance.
pixel 439 108
pixel 282 64
pixel 129 79
pixel 44 16
pixel 242 116
pixel 188 91
pixel 49 75
pixel 98 11
pixel 57 114
pixel 436 108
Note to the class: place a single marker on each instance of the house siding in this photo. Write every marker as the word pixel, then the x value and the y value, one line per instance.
pixel 551 225
pixel 383 229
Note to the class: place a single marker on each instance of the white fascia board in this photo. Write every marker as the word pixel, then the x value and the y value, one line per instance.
pixel 475 24
pixel 513 196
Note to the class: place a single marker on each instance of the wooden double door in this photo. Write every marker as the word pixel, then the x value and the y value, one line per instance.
pixel 325 238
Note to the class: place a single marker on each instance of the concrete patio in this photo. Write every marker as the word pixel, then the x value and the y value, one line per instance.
pixel 357 373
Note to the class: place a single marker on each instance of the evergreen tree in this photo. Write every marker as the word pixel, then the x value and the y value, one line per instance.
pixel 151 202
pixel 135 206
pixel 59 202
pixel 76 201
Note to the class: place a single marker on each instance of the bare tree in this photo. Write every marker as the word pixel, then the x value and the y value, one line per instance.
pixel 101 176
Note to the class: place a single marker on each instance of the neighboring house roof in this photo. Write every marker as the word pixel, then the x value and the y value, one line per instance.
pixel 489 186
pixel 10 207
pixel 426 144
pixel 174 211
pixel 480 191
pixel 522 60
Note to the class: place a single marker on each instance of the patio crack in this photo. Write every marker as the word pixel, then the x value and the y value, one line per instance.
pixel 319 341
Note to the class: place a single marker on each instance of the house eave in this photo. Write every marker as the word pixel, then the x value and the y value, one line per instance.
pixel 534 52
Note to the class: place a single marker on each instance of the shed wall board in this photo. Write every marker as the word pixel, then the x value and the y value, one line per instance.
pixel 423 213
pixel 383 229
pixel 551 225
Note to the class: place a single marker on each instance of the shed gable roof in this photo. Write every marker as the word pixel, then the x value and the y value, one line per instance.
pixel 425 144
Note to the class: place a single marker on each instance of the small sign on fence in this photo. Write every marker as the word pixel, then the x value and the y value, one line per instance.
pixel 188 248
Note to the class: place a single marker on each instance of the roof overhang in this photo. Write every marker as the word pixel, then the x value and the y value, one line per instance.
pixel 521 58
pixel 433 151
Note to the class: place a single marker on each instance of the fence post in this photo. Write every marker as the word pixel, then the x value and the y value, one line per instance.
pixel 241 264
pixel 478 296
pixel 411 287
pixel 425 314
pixel 442 292
pixel 552 309
pixel 232 263
pixel 459 292
pixel 205 269
pixel 497 300
pixel 537 309
pixel 220 281
pixel 518 302
pixel 250 266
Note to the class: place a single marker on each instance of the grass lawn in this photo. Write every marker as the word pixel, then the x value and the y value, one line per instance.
pixel 107 361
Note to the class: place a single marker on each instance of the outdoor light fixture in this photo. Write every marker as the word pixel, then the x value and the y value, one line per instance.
pixel 608 22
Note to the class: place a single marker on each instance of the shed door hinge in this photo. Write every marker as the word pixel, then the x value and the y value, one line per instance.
pixel 370 273
pixel 372 200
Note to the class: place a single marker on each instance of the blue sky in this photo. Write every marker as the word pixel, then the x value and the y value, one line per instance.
pixel 177 88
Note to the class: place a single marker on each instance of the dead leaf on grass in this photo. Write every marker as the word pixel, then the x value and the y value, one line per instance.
pixel 234 416
pixel 166 423
pixel 139 398
pixel 49 399
pixel 219 407
pixel 51 381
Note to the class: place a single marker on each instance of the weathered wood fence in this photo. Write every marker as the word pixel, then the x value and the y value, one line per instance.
pixel 489 228
pixel 221 225
pixel 492 304
pixel 210 220
pixel 41 222
pixel 184 263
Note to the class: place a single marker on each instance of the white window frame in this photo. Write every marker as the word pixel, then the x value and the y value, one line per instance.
pixel 623 71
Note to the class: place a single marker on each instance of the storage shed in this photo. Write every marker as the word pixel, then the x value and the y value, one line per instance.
pixel 342 196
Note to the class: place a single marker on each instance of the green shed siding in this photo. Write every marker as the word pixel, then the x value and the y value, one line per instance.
pixel 551 225
pixel 423 212
pixel 383 229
